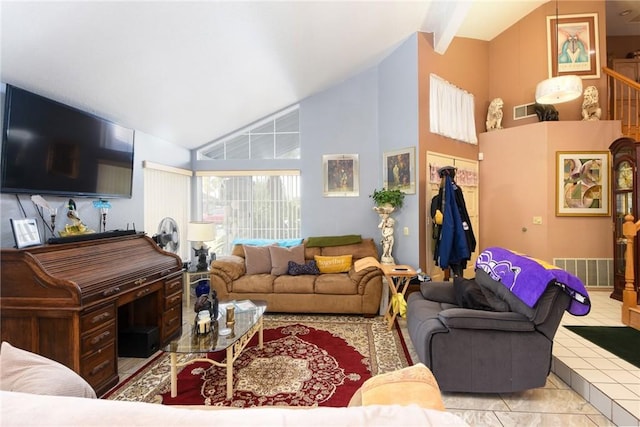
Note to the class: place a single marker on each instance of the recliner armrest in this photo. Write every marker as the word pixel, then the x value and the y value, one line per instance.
pixel 466 318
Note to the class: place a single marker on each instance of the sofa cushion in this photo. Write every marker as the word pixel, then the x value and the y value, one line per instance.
pixel 334 264
pixel 280 258
pixel 335 284
pixel 515 304
pixel 27 372
pixel 258 259
pixel 310 267
pixel 286 284
pixel 254 283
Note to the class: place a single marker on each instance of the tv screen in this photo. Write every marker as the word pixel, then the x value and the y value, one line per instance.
pixel 51 148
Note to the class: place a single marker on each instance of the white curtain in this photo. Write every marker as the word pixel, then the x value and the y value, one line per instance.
pixel 451 111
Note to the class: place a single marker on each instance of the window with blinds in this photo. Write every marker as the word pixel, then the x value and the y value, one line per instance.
pixel 251 204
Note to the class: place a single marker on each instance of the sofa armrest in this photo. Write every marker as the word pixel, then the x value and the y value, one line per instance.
pixel 228 268
pixel 466 318
pixel 362 277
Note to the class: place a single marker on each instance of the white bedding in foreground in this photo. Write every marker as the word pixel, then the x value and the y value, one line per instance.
pixel 20 409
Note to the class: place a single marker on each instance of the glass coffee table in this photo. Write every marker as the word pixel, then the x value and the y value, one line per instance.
pixel 248 321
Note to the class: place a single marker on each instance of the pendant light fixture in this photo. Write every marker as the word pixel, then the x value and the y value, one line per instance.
pixel 558 89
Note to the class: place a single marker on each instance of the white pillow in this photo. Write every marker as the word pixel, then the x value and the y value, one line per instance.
pixel 27 372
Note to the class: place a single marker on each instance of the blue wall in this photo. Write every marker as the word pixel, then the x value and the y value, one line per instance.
pixel 398 129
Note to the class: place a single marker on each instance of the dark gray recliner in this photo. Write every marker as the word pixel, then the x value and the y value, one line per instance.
pixel 470 350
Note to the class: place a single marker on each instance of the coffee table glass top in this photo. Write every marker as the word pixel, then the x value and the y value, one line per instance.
pixel 247 315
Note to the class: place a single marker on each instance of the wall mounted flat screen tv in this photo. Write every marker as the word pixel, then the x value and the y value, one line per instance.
pixel 51 148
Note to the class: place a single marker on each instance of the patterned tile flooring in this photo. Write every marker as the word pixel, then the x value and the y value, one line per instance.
pixel 587 387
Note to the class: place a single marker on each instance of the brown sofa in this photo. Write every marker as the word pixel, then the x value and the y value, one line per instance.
pixel 355 292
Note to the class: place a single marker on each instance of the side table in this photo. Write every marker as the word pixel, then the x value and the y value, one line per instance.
pixel 191 278
pixel 402 274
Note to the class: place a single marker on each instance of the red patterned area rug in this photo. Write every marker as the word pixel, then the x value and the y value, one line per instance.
pixel 307 360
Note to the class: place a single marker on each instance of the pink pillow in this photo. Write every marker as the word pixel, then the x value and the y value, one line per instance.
pixel 280 258
pixel 257 259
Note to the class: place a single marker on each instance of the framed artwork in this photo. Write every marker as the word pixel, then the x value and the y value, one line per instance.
pixel 341 177
pixel 398 170
pixel 25 232
pixel 582 183
pixel 572 45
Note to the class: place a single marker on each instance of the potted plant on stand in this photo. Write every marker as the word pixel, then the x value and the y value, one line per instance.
pixel 386 202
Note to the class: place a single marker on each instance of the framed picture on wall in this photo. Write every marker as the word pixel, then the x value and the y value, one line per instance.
pixel 341 175
pixel 398 170
pixel 25 232
pixel 582 183
pixel 572 45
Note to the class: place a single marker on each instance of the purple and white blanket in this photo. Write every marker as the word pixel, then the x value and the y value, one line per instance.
pixel 527 278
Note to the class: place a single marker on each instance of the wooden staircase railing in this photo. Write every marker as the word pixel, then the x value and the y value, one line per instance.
pixel 630 307
pixel 623 102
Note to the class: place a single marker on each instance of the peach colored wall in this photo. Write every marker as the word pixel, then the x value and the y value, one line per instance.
pixel 465 64
pixel 517 182
pixel 518 60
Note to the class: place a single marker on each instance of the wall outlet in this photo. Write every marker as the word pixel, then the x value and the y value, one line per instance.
pixel 405 231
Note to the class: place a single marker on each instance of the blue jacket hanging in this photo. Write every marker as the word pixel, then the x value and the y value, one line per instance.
pixel 452 247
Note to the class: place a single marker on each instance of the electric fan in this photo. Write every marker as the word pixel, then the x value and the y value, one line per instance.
pixel 168 237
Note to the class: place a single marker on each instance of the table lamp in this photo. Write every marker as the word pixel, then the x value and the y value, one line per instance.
pixel 200 232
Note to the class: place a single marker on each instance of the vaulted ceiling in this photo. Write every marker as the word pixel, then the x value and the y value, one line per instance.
pixel 190 72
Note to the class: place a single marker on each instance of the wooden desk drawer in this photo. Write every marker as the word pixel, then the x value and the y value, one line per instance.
pixel 171 321
pixel 98 339
pixel 97 317
pixel 100 366
pixel 173 285
pixel 172 300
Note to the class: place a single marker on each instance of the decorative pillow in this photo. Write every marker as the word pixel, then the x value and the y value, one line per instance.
pixel 27 372
pixel 416 384
pixel 280 258
pixel 310 267
pixel 334 264
pixel 257 259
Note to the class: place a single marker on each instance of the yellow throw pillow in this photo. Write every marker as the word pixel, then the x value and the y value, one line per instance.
pixel 334 264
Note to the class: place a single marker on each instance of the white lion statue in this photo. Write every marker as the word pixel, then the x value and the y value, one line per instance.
pixel 494 115
pixel 590 108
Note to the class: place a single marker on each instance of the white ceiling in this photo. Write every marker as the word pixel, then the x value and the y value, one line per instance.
pixel 190 72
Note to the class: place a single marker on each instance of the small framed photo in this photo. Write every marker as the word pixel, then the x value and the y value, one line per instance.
pixel 572 44
pixel 398 170
pixel 25 232
pixel 582 183
pixel 341 177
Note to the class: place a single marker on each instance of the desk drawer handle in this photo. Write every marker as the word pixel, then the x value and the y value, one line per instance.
pixel 100 337
pixel 172 321
pixel 99 368
pixel 111 291
pixel 143 292
pixel 100 317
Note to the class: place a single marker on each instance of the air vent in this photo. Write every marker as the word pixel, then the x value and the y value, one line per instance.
pixel 523 111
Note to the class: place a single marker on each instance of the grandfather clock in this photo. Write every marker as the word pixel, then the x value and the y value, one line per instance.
pixel 625 186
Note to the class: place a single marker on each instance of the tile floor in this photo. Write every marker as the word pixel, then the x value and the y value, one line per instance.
pixel 587 387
